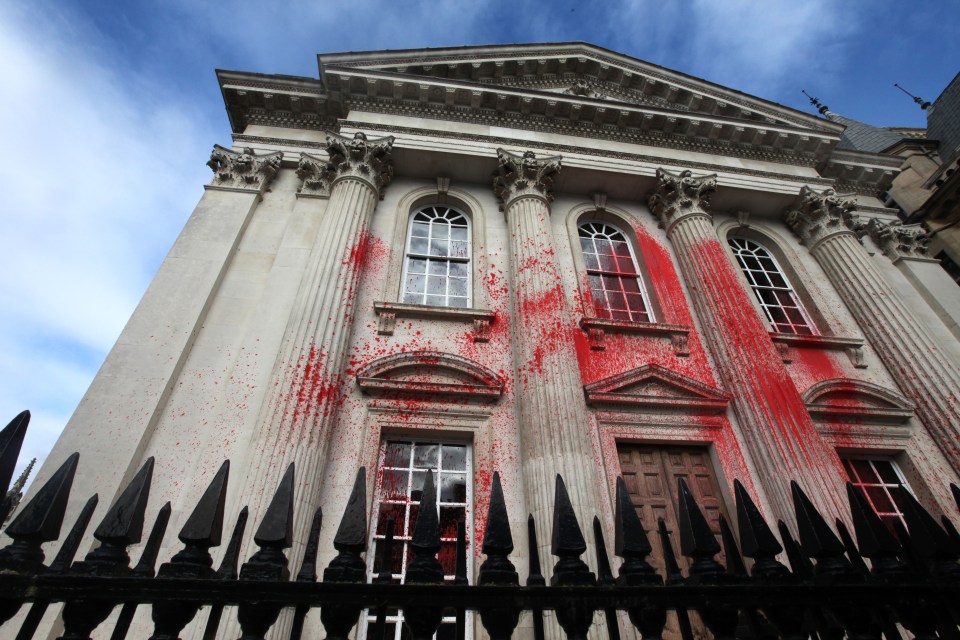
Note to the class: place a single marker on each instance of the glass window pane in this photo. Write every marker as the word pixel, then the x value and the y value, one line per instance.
pixel 425 456
pixel 450 517
pixel 880 500
pixel 437 267
pixel 397 454
pixel 420 229
pixel 396 511
pixel 454 457
pixel 591 261
pixel 415 283
pixel 418 245
pixel 458 269
pixel 448 557
pixel 458 233
pixel 453 488
pixel 864 471
pixel 416 265
pixel 460 303
pixel 436 301
pixel 887 473
pixel 394 484
pixel 436 285
pixel 458 286
pixel 440 230
pixel 459 249
pixel 413 298
pixel 439 248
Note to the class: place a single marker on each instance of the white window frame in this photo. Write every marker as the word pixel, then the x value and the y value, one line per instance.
pixel 756 288
pixel 634 316
pixel 431 259
pixel 860 484
pixel 370 616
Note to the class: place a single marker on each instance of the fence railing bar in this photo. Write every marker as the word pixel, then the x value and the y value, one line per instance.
pixel 534 575
pixel 308 571
pixel 11 442
pixel 144 568
pixel 605 577
pixel 227 571
pixel 674 578
pixel 385 576
pixel 348 567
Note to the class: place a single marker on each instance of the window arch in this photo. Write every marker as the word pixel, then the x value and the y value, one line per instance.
pixel 780 303
pixel 436 269
pixel 614 275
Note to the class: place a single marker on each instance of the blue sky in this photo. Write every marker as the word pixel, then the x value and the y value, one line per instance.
pixel 109 111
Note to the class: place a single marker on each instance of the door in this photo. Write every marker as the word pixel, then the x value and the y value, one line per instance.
pixel 650 473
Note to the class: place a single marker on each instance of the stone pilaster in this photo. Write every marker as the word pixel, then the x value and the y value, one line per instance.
pixel 554 424
pixel 825 222
pixel 775 427
pixel 296 422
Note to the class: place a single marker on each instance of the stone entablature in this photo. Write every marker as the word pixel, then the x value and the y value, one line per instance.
pixel 243 169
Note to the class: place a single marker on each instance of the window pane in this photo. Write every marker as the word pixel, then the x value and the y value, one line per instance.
pixel 415 283
pixel 440 230
pixel 450 517
pixel 425 456
pixel 436 285
pixel 439 248
pixel 396 511
pixel 458 233
pixel 458 287
pixel 887 473
pixel 454 457
pixel 453 488
pixel 394 484
pixel 459 249
pixel 460 303
pixel 458 269
pixel 418 245
pixel 420 229
pixel 436 301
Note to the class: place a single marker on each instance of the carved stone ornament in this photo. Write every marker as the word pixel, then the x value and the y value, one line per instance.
pixel 316 175
pixel 244 169
pixel 897 240
pixel 818 215
pixel 370 160
pixel 582 88
pixel 680 194
pixel 524 175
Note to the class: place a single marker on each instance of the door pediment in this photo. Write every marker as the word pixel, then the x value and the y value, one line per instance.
pixel 652 386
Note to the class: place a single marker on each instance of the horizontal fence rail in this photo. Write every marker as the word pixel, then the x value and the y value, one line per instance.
pixel 882 584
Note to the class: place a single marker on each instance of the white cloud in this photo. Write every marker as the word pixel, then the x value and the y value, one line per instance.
pixel 99 176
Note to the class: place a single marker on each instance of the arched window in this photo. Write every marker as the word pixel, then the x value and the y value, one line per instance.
pixel 437 265
pixel 618 290
pixel 769 283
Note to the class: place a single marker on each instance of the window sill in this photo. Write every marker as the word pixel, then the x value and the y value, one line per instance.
pixel 787 342
pixel 388 312
pixel 597 328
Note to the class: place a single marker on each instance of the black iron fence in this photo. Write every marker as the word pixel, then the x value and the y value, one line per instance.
pixel 891 584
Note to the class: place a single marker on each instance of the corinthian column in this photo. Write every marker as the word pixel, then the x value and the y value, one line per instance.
pixel 554 423
pixel 296 422
pixel 775 427
pixel 825 222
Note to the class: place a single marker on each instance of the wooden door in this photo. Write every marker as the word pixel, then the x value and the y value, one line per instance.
pixel 650 473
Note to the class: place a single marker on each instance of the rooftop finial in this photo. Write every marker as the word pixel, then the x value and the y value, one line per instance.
pixel 822 108
pixel 920 101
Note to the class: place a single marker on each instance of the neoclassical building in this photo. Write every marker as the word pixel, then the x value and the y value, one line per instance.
pixel 535 260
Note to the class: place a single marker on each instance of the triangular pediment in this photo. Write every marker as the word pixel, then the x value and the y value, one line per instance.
pixel 843 399
pixel 652 386
pixel 427 374
pixel 555 68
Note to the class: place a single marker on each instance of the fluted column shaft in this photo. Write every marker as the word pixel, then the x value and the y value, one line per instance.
pixel 296 422
pixel 553 417
pixel 922 368
pixel 554 424
pixel 777 430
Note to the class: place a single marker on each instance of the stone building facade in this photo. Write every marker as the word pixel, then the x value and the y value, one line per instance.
pixel 536 260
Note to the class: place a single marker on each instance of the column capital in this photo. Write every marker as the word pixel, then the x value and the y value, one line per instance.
pixel 818 215
pixel 679 195
pixel 316 175
pixel 358 157
pixel 243 169
pixel 897 240
pixel 524 175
